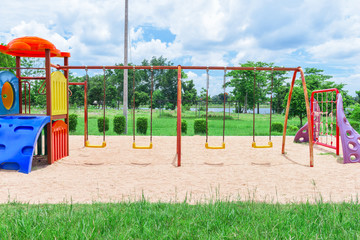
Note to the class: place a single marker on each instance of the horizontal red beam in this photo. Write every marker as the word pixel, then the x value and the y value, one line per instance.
pixel 32 78
pixel 325 145
pixel 25 68
pixel 76 83
pixel 182 67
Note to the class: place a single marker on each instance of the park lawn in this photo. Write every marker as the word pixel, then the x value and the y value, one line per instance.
pixel 214 220
pixel 164 123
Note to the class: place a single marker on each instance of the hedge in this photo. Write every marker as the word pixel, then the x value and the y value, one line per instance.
pixel 101 124
pixel 73 122
pixel 141 125
pixel 119 124
pixel 277 127
pixel 199 126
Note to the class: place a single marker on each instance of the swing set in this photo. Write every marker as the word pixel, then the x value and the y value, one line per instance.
pixel 225 69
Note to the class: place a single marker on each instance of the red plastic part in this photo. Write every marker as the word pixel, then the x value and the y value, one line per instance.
pixel 60 145
pixel 337 137
pixel 31 47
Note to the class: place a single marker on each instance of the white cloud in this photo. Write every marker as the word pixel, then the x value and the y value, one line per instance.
pixel 146 50
pixel 343 49
pixel 206 32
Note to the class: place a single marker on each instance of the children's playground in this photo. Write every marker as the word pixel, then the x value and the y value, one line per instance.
pixel 318 163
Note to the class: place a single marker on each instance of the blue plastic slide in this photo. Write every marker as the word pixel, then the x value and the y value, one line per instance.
pixel 18 137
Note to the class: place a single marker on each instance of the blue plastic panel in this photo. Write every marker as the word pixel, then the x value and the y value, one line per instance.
pixel 18 137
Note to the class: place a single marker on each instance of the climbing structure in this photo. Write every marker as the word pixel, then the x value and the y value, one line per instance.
pixel 327 132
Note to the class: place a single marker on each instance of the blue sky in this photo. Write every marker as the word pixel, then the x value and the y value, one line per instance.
pixel 321 34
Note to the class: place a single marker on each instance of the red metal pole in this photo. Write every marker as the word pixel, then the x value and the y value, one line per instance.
pixel 287 111
pixel 18 75
pixel 178 146
pixel 49 106
pixel 66 74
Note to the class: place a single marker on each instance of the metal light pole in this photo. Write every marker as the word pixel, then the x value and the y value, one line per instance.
pixel 125 94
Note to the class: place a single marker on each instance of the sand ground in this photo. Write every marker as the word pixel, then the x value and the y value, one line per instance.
pixel 120 173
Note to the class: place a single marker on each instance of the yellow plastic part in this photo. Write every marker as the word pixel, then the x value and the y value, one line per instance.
pixel 270 145
pixel 7 95
pixel 59 93
pixel 142 147
pixel 219 147
pixel 87 144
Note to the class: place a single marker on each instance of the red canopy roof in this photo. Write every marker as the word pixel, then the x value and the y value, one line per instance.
pixel 31 47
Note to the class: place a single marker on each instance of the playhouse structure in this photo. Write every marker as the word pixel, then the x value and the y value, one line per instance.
pixel 19 129
pixel 21 132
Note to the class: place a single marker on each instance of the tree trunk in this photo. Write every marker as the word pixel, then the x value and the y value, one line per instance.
pixel 258 108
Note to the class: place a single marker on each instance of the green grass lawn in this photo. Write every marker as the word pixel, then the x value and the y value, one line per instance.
pixel 144 220
pixel 164 124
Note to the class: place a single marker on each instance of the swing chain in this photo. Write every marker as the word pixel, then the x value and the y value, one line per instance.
pixel 151 101
pixel 254 104
pixel 133 104
pixel 104 104
pixel 271 93
pixel 207 102
pixel 224 105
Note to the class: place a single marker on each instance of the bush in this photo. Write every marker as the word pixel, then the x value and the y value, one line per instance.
pixel 101 124
pixel 119 124
pixel 199 126
pixel 355 125
pixel 277 127
pixel 141 125
pixel 293 128
pixel 72 122
pixel 183 126
pixel 355 113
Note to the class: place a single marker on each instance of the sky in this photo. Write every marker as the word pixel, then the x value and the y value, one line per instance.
pixel 324 34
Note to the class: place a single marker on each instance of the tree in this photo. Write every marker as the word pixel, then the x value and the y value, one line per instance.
pixel 7 61
pixel 141 98
pixel 96 90
pixel 77 92
pixel 189 93
pixel 164 79
pixel 115 78
pixel 243 83
pixel 158 99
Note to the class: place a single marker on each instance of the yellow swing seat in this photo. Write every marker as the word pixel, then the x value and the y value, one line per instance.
pixel 142 147
pixel 87 144
pixel 217 147
pixel 270 145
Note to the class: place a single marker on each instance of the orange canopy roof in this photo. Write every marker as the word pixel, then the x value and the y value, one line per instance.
pixel 31 47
